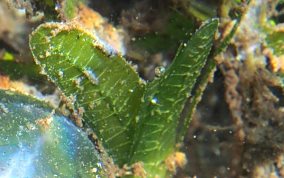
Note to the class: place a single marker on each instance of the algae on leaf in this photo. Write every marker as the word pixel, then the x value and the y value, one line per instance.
pixel 275 40
pixel 133 125
pixel 102 88
pixel 164 99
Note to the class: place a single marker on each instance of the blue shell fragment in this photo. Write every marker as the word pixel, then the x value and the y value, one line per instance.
pixel 35 142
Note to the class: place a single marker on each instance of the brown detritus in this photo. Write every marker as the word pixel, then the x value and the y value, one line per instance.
pixel 227 28
pixel 68 101
pixel 97 24
pixel 77 116
pixel 124 171
pixel 23 87
pixel 249 141
pixel 276 63
pixel 68 108
pixel 176 160
pixel 27 5
pixel 257 113
pixel 89 18
pixel 81 111
pixel 110 167
pixel 44 123
pixel 227 8
pixel 63 108
pixel 93 137
pixel 4 82
pixel 17 85
pixel 279 28
pixel 112 170
pixel 138 170
pixel 280 165
pixel 253 95
pixel 232 96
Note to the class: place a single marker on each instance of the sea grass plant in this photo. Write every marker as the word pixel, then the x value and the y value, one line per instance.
pixel 136 126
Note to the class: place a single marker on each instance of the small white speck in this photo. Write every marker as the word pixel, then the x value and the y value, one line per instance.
pixel 91 76
pixel 154 100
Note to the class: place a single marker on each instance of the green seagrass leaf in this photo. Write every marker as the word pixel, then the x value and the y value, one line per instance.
pixel 208 72
pixel 164 100
pixel 103 88
pixel 275 40
pixel 69 8
pixel 17 70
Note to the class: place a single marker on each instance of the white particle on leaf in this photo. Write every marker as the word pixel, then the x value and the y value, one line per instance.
pixel 137 119
pixel 99 165
pixel 60 74
pixel 91 76
pixel 57 6
pixel 47 53
pixel 154 100
pixel 159 71
pixel 3 108
pixel 94 170
pixel 91 105
pixel 77 81
pixel 47 39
